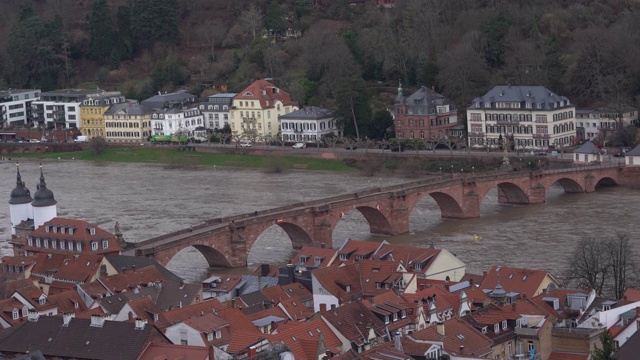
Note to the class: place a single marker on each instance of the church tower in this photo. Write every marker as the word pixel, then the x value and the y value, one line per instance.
pixel 44 204
pixel 19 203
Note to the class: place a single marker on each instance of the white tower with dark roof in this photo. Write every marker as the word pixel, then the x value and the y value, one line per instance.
pixel 19 203
pixel 44 204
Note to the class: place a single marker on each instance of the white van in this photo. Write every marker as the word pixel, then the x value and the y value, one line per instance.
pixel 80 138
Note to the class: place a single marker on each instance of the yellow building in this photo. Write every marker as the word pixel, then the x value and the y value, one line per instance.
pixel 92 112
pixel 255 110
pixel 127 123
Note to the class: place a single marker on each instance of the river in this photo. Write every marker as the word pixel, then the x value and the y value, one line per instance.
pixel 149 200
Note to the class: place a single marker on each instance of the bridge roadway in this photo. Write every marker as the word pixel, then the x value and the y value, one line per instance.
pixel 226 241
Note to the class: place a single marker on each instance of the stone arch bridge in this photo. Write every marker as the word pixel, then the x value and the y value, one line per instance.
pixel 226 242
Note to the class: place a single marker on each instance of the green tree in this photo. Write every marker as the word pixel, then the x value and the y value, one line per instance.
pixel 377 128
pixel 273 19
pixel 101 31
pixel 352 105
pixel 608 347
pixel 495 30
pixel 154 21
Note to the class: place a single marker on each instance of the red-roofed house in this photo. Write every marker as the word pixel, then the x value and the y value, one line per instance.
pixel 256 109
pixel 356 325
pixel 156 351
pixel 516 281
pixel 316 331
pixel 205 330
pixel 78 268
pixel 353 250
pixel 310 257
pixel 335 286
pixel 632 295
pixel 64 236
pixel 458 337
pixel 432 263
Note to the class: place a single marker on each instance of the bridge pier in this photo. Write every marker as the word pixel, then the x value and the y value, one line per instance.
pixel 470 206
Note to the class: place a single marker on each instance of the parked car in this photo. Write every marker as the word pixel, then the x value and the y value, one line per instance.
pixel 245 144
pixel 299 146
pixel 618 154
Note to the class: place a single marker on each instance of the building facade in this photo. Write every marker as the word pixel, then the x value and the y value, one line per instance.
pixel 216 110
pixel 60 109
pixel 425 114
pixel 127 122
pixel 532 117
pixel 92 112
pixel 594 124
pixel 256 109
pixel 15 106
pixel 308 124
pixel 189 122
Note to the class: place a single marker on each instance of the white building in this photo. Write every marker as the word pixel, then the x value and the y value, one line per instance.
pixel 592 124
pixel 188 122
pixel 20 203
pixel 586 154
pixel 61 108
pixel 15 106
pixel 216 110
pixel 533 116
pixel 632 158
pixel 308 124
pixel 41 208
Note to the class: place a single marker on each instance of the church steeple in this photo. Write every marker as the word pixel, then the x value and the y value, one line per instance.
pixel 43 196
pixel 20 194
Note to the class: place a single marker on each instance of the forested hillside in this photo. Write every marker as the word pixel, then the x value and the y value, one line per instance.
pixel 587 50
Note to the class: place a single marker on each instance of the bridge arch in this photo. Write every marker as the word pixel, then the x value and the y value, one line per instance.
pixel 214 257
pixel 299 237
pixel 605 181
pixel 569 185
pixel 508 193
pixel 378 223
pixel 449 206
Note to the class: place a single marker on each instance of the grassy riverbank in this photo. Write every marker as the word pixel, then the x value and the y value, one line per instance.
pixel 171 157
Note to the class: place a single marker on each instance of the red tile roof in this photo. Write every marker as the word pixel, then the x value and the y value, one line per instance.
pixel 378 276
pixel 310 253
pixel 271 94
pixel 237 320
pixel 336 280
pixel 60 230
pixel 353 320
pixel 274 311
pixel 130 279
pixel 275 293
pixel 67 302
pixel 186 312
pixel 293 331
pixel 296 309
pixel 457 333
pixel 6 311
pixel 209 324
pixel 156 351
pixel 632 295
pixel 522 281
pixel 78 268
pixel 360 248
pixel 144 308
pixel 242 339
pixel 408 255
pixel 297 290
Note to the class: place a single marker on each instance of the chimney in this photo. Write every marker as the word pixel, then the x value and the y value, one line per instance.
pixel 323 245
pixel 440 329
pixel 140 324
pixel 66 318
pixel 130 316
pixel 33 316
pixel 133 267
pixel 397 343
pixel 97 321
pixel 625 300
pixel 471 282
pixel 264 269
pixel 461 349
pixel 484 274
pixel 123 270
pixel 211 353
pixel 233 303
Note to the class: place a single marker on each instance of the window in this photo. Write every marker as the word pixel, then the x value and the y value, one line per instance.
pixel 105 244
pixel 417 266
pixel 209 336
pixel 16 314
pixel 386 319
pixel 496 328
pixel 62 244
pixel 30 241
pixel 343 256
pixel 79 246
pixel 484 330
pixel 218 334
pixel 42 301
pixel 37 242
pixel 94 245
pixel 530 346
pixel 504 324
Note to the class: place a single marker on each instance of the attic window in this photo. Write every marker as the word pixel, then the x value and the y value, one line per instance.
pixel 484 330
pixel 42 301
pixel 417 266
pixel 504 324
pixel 524 278
pixel 347 288
pixel 218 334
pixel 343 256
pixel 47 228
pixel 303 259
pixel 55 229
pixel 94 245
pixel 460 336
pixel 310 333
pixel 247 94
pixel 16 314
pixel 496 328
pixel 62 230
pixel 209 336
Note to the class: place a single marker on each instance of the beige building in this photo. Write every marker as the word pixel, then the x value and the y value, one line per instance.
pixel 255 110
pixel 128 123
pixel 92 112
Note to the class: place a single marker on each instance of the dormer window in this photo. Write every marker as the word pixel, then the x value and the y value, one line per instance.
pixel 55 229
pixel 94 245
pixel 47 228
pixel 79 246
pixel 417 266
pixel 37 242
pixel 218 334
pixel 504 324
pixel 395 316
pixel 42 300
pixel 378 285
pixel 343 256
pixel 386 319
pixel 484 330
pixel 62 244
pixel 16 314
pixel 209 336
pixel 46 243
pixel 92 231
pixel 303 259
pixel 30 241
pixel 347 288
pixel 247 94
pixel 105 244
pixel 25 311
pixel 403 314
pixel 496 328
pixel 62 229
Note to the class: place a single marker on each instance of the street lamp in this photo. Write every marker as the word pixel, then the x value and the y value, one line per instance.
pixel 451 169
pixel 473 170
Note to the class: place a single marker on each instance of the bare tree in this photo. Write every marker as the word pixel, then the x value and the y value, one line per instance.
pixel 98 144
pixel 589 264
pixel 251 19
pixel 623 264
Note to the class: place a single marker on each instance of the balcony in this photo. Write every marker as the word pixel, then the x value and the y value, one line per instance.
pixel 524 356
pixel 508 122
pixel 527 331
pixel 541 136
pixel 476 134
pixel 248 119
pixel 297 131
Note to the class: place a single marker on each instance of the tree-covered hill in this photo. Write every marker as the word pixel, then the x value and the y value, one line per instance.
pixel 586 50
